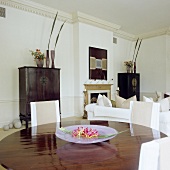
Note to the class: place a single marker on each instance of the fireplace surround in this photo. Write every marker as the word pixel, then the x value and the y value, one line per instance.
pixel 92 90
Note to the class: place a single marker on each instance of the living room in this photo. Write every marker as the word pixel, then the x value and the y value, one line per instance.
pixel 27 26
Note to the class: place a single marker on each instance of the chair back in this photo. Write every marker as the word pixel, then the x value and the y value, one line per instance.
pixel 43 112
pixel 164 150
pixel 154 155
pixel 145 113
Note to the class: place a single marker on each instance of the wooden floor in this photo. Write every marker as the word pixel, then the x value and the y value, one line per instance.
pixel 4 134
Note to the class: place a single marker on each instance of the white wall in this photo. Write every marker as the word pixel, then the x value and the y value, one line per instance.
pixel 151 64
pixel 84 37
pixel 167 64
pixel 90 36
pixel 121 52
pixel 22 31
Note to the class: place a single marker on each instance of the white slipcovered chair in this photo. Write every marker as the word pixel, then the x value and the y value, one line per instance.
pixel 44 112
pixel 154 155
pixel 145 114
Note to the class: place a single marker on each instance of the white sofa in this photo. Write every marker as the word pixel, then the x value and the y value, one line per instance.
pixel 96 112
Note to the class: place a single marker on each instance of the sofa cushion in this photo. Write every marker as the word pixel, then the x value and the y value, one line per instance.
pixel 146 99
pixel 124 103
pixel 164 103
pixel 106 101
pixel 103 101
pixel 100 101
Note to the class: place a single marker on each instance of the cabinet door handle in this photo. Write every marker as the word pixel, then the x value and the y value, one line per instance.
pixel 43 80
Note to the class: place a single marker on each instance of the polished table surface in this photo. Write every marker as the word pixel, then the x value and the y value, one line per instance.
pixel 22 150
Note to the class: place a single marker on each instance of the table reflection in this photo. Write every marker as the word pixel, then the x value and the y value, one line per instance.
pixel 86 153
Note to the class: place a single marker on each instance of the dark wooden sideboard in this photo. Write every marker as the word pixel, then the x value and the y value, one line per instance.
pixel 129 85
pixel 37 84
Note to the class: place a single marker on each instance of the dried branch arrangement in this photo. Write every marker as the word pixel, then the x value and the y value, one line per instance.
pixel 136 50
pixel 53 25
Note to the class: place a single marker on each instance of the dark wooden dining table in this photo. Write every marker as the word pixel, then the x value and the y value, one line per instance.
pixel 23 151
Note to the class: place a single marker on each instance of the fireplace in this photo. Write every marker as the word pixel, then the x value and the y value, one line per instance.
pixel 92 90
pixel 94 96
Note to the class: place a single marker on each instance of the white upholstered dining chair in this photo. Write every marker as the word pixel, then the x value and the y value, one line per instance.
pixel 154 155
pixel 145 114
pixel 44 112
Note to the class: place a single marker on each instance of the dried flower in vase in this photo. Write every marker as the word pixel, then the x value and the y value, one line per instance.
pixel 38 54
pixel 128 64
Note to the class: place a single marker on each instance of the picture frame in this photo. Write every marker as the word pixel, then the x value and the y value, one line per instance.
pixel 97 63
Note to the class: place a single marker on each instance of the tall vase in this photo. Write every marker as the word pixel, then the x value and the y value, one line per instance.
pixel 52 58
pixel 134 67
pixel 47 58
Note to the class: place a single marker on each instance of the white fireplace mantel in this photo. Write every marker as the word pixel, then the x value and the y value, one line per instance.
pixel 96 88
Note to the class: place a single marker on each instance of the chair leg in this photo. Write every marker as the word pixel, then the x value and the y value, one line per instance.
pixel 26 124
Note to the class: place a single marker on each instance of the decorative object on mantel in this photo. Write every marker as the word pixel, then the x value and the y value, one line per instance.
pixel 136 52
pixel 53 51
pixel 99 81
pixel 38 57
pixel 129 66
pixel 117 91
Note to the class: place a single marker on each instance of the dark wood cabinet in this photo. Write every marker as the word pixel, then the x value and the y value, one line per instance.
pixel 129 85
pixel 37 84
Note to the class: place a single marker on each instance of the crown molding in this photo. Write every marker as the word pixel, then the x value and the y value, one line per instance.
pixel 45 11
pixel 125 35
pixel 36 8
pixel 42 10
pixel 84 18
pixel 163 31
pixel 81 17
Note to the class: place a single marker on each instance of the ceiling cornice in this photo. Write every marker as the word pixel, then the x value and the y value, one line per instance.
pixel 84 18
pixel 125 35
pixel 81 17
pixel 36 8
pixel 45 11
pixel 163 31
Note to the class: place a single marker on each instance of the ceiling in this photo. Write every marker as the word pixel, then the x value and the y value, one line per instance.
pixel 134 16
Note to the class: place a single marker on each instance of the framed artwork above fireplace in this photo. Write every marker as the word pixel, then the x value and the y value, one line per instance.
pixel 97 63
